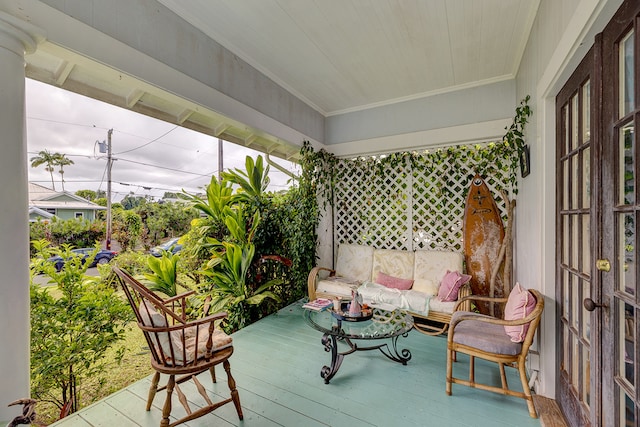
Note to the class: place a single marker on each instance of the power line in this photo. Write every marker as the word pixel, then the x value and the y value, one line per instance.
pixel 150 142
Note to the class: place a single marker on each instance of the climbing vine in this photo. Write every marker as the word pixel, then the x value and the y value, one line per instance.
pixel 405 193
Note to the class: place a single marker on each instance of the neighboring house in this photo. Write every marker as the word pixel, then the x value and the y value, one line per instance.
pixel 45 203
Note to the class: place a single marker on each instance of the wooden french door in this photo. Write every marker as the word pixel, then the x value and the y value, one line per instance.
pixel 621 216
pixel 576 207
pixel 598 212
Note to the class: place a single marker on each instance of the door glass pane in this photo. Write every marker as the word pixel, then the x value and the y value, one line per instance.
pixel 575 182
pixel 575 300
pixel 586 178
pixel 627 253
pixel 586 318
pixel 575 360
pixel 586 380
pixel 565 123
pixel 565 239
pixel 586 112
pixel 574 122
pixel 586 250
pixel 575 248
pixel 565 291
pixel 567 188
pixel 627 410
pixel 626 80
pixel 627 166
pixel 627 342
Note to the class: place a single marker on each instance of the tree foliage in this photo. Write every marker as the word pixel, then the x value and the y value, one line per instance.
pixel 80 233
pixel 71 333
pixel 126 228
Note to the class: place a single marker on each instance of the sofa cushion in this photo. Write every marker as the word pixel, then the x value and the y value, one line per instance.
pixel 394 262
pixel 435 304
pixel 389 299
pixel 354 261
pixel 338 286
pixel 432 265
pixel 393 282
pixel 425 286
pixel 519 305
pixel 450 285
pixel 484 336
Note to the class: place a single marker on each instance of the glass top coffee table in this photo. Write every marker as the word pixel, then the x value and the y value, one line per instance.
pixel 382 325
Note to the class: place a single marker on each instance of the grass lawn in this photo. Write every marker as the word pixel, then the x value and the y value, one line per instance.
pixel 135 365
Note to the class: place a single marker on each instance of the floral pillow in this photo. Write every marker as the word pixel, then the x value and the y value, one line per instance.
pixel 450 285
pixel 393 282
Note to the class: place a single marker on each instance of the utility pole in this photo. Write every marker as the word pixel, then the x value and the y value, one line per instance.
pixel 109 164
pixel 220 162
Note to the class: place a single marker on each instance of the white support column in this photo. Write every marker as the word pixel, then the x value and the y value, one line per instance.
pixel 16 39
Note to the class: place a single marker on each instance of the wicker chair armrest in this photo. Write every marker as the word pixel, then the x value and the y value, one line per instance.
pixel 496 321
pixel 312 281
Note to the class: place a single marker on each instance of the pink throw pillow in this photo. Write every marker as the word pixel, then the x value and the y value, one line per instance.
pixel 450 285
pixel 393 282
pixel 519 305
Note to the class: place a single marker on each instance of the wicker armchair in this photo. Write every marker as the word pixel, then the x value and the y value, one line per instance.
pixel 483 336
pixel 179 347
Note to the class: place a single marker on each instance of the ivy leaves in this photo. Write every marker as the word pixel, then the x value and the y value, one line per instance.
pixel 492 158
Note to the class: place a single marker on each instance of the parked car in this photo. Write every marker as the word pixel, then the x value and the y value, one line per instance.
pixel 171 245
pixel 102 257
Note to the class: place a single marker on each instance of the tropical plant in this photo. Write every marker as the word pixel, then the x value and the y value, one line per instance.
pixel 164 273
pixel 253 181
pixel 228 272
pixel 219 195
pixel 48 159
pixel 70 334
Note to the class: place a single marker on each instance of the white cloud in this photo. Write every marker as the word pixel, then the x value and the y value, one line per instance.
pixel 152 156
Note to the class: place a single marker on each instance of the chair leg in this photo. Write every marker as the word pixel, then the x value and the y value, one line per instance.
pixel 153 389
pixel 503 377
pixel 527 390
pixel 212 370
pixel 232 386
pixel 472 370
pixel 166 410
pixel 450 356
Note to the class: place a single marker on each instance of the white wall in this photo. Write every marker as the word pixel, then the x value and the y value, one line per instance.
pixel 561 35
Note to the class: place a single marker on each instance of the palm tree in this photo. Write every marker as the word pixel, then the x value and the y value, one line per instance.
pixel 44 157
pixel 62 160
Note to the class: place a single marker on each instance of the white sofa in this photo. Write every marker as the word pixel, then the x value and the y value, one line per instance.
pixel 357 267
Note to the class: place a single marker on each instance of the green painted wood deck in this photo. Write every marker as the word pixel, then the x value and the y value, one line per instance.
pixel 277 363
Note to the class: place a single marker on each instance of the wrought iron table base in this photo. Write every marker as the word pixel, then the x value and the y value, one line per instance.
pixel 330 342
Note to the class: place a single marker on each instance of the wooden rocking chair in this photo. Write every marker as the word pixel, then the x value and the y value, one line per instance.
pixel 479 335
pixel 179 347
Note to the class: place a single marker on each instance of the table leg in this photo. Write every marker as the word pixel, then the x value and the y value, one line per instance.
pixel 331 344
pixel 401 357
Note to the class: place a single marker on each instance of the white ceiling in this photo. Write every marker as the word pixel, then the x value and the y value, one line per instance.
pixel 346 55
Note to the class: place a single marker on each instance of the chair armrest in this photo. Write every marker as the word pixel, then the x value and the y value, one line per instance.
pixel 312 281
pixel 468 315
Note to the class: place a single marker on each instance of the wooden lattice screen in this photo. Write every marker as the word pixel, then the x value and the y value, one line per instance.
pixel 417 204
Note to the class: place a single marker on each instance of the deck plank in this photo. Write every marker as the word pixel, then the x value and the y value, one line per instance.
pixel 277 362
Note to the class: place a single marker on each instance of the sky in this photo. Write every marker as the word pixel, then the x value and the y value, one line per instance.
pixel 150 156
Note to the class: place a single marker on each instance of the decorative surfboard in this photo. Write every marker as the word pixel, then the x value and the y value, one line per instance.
pixel 483 233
